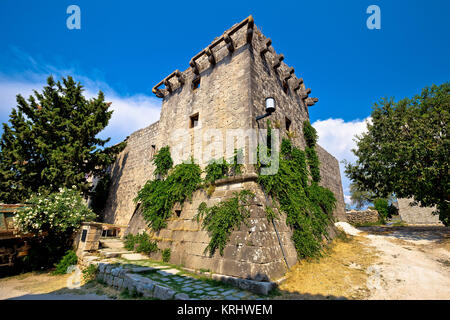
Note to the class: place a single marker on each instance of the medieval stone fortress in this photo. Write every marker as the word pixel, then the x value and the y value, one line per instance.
pixel 225 88
pixel 228 196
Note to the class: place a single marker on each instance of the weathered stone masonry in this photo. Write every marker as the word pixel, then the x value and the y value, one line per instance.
pixel 235 74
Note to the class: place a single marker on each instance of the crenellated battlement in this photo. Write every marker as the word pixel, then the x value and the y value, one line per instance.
pixel 237 36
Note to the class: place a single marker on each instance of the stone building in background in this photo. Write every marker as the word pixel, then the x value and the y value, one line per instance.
pixel 224 88
pixel 415 214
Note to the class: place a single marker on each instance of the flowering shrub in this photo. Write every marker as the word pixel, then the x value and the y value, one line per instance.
pixel 58 212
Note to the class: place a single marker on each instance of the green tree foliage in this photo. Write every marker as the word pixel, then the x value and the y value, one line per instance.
pixel 360 198
pixel 406 150
pixel 50 141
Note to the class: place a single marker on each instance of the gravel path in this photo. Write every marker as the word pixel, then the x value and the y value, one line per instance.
pixel 415 263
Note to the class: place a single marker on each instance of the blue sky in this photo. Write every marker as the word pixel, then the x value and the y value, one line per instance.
pixel 126 47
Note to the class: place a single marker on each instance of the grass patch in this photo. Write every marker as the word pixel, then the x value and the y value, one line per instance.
pixel 369 224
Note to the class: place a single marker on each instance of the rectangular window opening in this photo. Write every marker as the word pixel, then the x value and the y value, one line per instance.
pixel 83 235
pixel 193 121
pixel 288 124
pixel 196 83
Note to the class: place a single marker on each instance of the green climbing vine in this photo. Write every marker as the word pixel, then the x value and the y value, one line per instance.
pixel 163 161
pixel 221 219
pixel 158 196
pixel 308 206
pixel 220 169
pixel 310 135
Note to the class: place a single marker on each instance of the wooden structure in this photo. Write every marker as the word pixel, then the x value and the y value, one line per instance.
pixel 12 243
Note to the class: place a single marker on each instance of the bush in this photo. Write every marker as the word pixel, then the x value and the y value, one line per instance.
pixel 89 273
pixel 216 170
pixel 307 205
pixel 382 206
pixel 166 255
pixel 59 212
pixel 52 219
pixel 140 243
pixel 68 260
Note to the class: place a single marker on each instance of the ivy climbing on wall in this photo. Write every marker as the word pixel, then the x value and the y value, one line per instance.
pixel 175 185
pixel 294 188
pixel 308 206
pixel 221 219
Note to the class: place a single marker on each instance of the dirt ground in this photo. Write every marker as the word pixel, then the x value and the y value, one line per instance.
pixel 45 286
pixel 377 263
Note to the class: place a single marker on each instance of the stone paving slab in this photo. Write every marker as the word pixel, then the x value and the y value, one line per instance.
pixel 165 282
pixel 133 256
pixel 167 272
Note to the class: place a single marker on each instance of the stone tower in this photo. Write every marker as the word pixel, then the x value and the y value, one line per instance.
pixel 224 89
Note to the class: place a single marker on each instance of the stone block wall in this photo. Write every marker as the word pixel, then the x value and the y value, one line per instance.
pixel 221 103
pixel 91 240
pixel 266 81
pixel 129 173
pixel 361 217
pixel 331 179
pixel 416 214
pixel 252 252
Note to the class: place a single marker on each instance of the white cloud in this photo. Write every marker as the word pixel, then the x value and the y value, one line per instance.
pixel 337 137
pixel 26 72
pixel 131 112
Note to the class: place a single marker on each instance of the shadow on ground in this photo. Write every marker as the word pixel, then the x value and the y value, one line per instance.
pixel 411 233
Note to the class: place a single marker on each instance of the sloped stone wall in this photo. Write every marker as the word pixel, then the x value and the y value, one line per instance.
pixel 129 173
pixel 331 179
pixel 252 252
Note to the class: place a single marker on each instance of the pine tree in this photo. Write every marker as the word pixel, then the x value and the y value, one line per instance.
pixel 50 141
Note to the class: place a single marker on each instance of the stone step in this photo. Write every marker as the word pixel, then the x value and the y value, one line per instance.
pixel 134 256
pixel 115 243
pixel 112 253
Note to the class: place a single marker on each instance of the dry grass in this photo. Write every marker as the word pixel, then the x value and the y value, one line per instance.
pixel 339 274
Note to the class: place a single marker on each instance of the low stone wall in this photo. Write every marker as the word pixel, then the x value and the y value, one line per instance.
pixel 360 217
pixel 121 279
